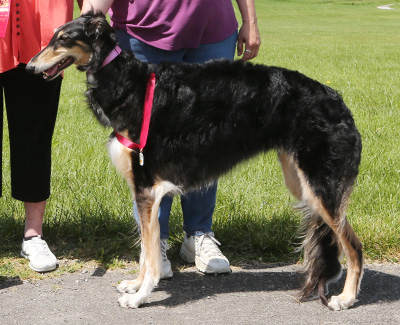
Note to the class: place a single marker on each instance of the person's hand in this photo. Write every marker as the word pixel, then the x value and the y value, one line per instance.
pixel 249 41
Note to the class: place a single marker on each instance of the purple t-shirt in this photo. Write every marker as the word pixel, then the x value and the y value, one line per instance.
pixel 175 24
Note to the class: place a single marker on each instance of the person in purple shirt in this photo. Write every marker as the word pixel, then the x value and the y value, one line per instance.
pixel 192 31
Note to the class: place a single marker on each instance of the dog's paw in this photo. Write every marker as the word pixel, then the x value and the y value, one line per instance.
pixel 131 300
pixel 341 302
pixel 127 301
pixel 128 286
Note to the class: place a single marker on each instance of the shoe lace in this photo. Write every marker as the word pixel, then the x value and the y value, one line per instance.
pixel 164 248
pixel 40 247
pixel 208 244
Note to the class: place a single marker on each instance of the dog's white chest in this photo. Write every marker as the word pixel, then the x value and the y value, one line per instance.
pixel 91 80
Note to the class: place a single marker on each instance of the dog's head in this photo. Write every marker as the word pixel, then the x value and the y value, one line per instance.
pixel 85 41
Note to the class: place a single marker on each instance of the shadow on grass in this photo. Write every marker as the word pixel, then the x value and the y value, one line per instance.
pixel 110 240
pixel 104 239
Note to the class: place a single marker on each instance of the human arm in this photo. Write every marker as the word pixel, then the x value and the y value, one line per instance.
pixel 96 5
pixel 249 39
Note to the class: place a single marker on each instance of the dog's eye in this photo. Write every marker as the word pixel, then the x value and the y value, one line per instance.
pixel 63 37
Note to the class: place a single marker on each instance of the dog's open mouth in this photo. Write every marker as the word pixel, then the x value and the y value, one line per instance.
pixel 57 68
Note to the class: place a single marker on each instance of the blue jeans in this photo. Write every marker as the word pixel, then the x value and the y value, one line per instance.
pixel 197 206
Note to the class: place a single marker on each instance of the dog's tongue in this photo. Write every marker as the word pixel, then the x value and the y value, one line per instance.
pixel 52 71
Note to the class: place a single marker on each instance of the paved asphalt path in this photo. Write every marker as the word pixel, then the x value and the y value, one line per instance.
pixel 250 295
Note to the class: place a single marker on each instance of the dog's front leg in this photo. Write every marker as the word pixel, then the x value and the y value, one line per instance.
pixel 132 286
pixel 149 275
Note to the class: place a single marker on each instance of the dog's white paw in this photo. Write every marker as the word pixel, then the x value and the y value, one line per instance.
pixel 341 302
pixel 132 300
pixel 128 286
pixel 128 301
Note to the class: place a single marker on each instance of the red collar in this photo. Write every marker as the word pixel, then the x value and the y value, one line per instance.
pixel 113 54
pixel 148 103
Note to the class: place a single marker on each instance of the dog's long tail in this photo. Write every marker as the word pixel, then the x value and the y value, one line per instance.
pixel 321 257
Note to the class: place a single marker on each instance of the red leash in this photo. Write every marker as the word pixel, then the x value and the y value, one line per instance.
pixel 148 104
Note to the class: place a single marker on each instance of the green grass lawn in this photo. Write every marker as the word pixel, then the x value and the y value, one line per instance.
pixel 350 45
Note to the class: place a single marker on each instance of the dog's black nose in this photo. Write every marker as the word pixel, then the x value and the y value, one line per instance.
pixel 30 68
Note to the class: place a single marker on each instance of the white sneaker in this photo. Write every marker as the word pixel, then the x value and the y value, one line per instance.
pixel 203 250
pixel 166 270
pixel 41 259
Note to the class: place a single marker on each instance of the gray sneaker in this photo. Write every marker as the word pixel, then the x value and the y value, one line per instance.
pixel 203 250
pixel 166 270
pixel 41 259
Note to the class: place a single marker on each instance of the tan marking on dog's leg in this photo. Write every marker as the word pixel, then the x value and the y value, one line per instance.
pixel 150 257
pixel 148 204
pixel 132 286
pixel 351 245
pixel 348 241
pixel 121 158
pixel 290 173
pixel 308 195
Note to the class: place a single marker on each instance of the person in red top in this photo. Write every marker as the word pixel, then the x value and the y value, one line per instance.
pixel 26 26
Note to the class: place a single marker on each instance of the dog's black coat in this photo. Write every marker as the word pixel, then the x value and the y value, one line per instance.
pixel 208 117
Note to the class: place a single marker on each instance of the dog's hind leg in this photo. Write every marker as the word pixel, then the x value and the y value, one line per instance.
pixel 320 248
pixel 328 231
pixel 353 250
pixel 290 173
pixel 326 234
pixel 327 237
pixel 321 256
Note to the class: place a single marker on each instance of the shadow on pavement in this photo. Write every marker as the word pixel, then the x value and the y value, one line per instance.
pixel 186 287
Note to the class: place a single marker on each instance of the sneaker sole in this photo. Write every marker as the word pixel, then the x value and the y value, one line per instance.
pixel 188 256
pixel 166 276
pixel 204 268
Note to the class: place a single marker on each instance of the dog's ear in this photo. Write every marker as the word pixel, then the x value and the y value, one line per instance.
pixel 103 38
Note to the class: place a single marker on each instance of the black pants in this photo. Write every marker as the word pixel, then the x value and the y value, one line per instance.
pixel 31 104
